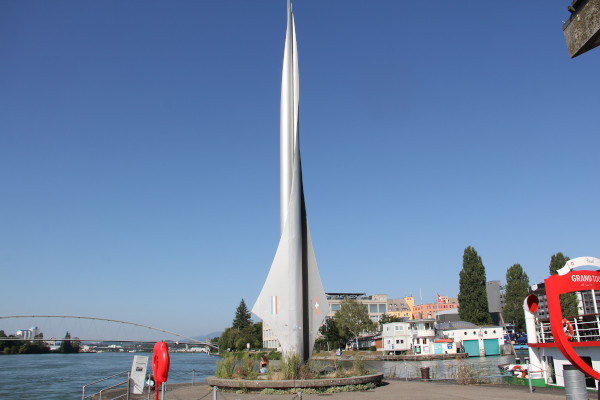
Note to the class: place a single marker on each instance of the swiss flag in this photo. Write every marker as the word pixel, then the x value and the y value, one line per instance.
pixel 440 300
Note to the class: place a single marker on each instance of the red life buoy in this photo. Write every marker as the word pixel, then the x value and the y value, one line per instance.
pixel 518 368
pixel 569 332
pixel 160 363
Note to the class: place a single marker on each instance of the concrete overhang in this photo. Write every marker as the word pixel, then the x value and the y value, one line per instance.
pixel 582 30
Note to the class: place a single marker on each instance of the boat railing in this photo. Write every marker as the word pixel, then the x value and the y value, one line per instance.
pixel 586 328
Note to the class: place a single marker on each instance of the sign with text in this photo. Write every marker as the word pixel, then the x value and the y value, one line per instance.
pixel 138 374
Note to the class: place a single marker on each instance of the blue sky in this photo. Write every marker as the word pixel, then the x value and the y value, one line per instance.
pixel 139 150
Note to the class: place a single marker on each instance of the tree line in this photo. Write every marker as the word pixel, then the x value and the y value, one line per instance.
pixel 35 347
pixel 472 297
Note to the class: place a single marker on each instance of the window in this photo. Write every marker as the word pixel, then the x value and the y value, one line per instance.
pixel 373 308
pixel 474 333
pixel 397 341
pixel 382 308
pixel 336 307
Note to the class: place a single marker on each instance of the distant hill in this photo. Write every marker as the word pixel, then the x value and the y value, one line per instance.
pixel 208 335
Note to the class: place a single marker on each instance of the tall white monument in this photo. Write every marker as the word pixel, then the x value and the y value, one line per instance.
pixel 292 301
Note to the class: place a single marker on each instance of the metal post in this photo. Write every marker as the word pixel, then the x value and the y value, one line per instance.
pixel 193 371
pixel 215 389
pixel 529 376
pixel 162 391
pixel 300 395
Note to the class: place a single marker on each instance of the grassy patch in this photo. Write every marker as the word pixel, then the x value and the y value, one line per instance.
pixel 328 390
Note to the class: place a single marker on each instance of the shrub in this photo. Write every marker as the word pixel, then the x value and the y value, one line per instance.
pixel 358 366
pixel 225 367
pixel 245 369
pixel 290 366
pixel 467 374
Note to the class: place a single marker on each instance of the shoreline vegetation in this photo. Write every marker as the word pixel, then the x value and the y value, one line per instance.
pixel 35 347
pixel 244 367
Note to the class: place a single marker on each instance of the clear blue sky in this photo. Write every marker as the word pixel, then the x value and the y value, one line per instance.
pixel 139 150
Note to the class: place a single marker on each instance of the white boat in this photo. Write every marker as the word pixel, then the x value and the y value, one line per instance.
pixel 556 341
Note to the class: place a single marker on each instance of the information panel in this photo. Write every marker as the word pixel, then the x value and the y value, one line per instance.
pixel 138 374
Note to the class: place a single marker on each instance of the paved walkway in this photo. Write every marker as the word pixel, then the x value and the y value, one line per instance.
pixel 394 389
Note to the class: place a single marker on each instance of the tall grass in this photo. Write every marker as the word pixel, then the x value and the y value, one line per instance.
pixel 225 367
pixel 465 374
pixel 290 366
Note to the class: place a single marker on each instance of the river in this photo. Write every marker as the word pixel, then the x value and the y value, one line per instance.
pixel 61 376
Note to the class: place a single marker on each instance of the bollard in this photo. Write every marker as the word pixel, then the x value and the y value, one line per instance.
pixel 215 392
pixel 300 395
pixel 425 373
pixel 574 383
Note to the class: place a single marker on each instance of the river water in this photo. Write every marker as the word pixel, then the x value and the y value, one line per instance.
pixel 61 376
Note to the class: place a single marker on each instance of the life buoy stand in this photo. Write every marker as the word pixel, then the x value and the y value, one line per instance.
pixel 568 328
pixel 160 364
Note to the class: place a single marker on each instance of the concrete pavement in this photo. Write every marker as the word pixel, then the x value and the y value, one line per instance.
pixel 392 389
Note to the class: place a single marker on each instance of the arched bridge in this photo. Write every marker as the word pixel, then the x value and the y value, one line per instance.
pixel 96 334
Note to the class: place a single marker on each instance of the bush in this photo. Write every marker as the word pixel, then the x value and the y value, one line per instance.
pixel 245 369
pixel 358 366
pixel 290 366
pixel 467 375
pixel 225 367
pixel 372 348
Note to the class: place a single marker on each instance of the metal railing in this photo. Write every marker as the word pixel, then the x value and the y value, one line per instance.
pixel 127 382
pixel 586 328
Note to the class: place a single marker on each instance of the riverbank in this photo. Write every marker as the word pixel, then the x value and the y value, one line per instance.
pixel 382 357
pixel 390 390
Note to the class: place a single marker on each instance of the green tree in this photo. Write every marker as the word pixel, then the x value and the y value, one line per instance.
pixel 352 319
pixel 517 289
pixel 330 335
pixel 472 297
pixel 237 339
pixel 227 339
pixel 68 346
pixel 242 316
pixel 568 301
pixel 386 319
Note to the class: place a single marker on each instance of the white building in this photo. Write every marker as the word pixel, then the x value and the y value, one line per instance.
pixel 28 334
pixel 397 337
pixel 414 335
pixel 475 340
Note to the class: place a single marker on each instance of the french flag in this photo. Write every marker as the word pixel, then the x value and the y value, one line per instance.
pixel 273 305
